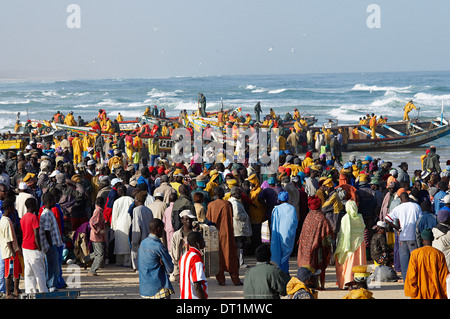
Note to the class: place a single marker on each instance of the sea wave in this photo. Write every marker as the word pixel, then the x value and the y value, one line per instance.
pixel 431 99
pixel 371 88
pixel 27 101
pixel 277 91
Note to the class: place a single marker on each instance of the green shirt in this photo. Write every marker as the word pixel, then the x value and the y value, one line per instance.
pixel 265 281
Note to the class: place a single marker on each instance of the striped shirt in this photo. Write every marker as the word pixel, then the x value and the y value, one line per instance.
pixel 192 270
pixel 48 222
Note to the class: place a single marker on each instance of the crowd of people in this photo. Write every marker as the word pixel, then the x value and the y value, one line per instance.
pixel 93 202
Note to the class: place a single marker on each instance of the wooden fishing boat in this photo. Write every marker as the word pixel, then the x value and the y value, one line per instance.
pixel 393 135
pixel 165 143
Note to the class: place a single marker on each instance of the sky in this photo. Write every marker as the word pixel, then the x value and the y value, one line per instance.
pixel 158 39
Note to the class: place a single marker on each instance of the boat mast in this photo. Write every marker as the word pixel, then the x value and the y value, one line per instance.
pixel 442 111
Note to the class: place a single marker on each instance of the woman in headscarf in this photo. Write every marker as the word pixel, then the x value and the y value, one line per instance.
pixel 350 249
pixel 315 241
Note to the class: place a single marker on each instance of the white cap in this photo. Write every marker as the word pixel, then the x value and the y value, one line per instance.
pixel 447 199
pixel 91 162
pixel 23 185
pixel 115 181
pixel 381 224
pixel 54 173
pixel 187 213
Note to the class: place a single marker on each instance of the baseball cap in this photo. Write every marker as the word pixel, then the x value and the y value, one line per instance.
pixel 115 181
pixel 23 186
pixel 187 213
pixel 305 272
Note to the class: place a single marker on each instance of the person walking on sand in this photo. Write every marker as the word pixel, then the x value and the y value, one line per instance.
pixel 97 238
pixel 155 264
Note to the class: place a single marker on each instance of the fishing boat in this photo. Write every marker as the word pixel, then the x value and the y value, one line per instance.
pixel 393 135
pixel 165 142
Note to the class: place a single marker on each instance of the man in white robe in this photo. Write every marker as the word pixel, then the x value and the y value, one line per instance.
pixel 121 223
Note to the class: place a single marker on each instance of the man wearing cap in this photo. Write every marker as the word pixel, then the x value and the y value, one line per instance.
pixel 379 249
pixel 441 231
pixel 179 241
pixel 283 228
pixel 427 271
pixel 304 284
pixel 21 198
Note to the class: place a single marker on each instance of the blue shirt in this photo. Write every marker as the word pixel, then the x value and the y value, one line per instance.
pixel 438 201
pixel 152 275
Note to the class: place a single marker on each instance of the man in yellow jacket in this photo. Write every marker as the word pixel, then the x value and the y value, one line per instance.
pixel 88 141
pixel 373 125
pixel 296 115
pixel 77 148
pixel 70 120
pixel 108 127
pixel 408 108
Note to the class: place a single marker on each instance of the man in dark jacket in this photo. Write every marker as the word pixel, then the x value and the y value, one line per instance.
pixel 183 202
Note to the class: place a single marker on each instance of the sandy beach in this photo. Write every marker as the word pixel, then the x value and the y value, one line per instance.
pixel 116 282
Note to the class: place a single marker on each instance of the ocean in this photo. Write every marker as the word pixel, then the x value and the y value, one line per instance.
pixel 343 97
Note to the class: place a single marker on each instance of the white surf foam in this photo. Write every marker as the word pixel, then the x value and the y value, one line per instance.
pixel 431 99
pixel 277 91
pixel 371 88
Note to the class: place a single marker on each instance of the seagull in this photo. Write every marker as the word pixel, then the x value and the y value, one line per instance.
pixel 292 50
pixel 155 28
pixel 270 49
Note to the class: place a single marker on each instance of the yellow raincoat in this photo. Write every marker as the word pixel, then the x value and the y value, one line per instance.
pixel 257 209
pixel 214 174
pixel 408 108
pixel 295 285
pixel 69 120
pixel 77 147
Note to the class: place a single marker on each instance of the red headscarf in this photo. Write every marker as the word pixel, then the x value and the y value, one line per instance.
pixel 314 203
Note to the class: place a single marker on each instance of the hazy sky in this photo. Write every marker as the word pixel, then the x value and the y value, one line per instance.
pixel 165 38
